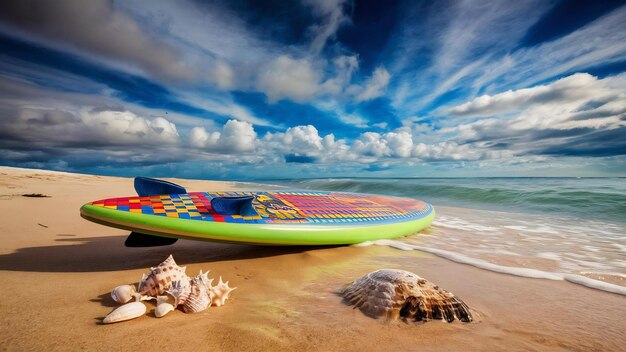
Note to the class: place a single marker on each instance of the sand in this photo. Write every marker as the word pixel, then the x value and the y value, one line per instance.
pixel 58 269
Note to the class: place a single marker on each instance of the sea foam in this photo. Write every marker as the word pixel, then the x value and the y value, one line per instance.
pixel 517 271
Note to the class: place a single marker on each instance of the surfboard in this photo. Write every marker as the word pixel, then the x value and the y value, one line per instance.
pixel 297 217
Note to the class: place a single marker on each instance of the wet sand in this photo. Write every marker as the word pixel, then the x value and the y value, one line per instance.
pixel 58 270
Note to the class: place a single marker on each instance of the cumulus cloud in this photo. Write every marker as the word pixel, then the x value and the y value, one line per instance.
pixel 400 144
pixel 128 128
pixel 286 77
pixel 93 29
pixel 45 128
pixel 236 136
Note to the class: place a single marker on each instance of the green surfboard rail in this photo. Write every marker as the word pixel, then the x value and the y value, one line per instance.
pixel 260 231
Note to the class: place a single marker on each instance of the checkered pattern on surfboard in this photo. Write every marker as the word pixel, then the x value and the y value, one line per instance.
pixel 279 207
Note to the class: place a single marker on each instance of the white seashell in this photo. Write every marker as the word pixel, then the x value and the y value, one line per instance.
pixel 204 278
pixel 123 293
pixel 126 312
pixel 198 299
pixel 180 290
pixel 219 293
pixel 402 294
pixel 160 278
pixel 163 307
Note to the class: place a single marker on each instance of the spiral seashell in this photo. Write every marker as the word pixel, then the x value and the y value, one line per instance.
pixel 402 294
pixel 180 290
pixel 160 278
pixel 163 307
pixel 126 312
pixel 204 278
pixel 123 293
pixel 219 293
pixel 198 299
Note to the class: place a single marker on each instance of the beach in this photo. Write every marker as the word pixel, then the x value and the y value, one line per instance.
pixel 59 270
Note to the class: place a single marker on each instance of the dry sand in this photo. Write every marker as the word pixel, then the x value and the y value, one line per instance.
pixel 58 269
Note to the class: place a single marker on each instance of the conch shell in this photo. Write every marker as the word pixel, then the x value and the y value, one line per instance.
pixel 126 312
pixel 160 278
pixel 402 294
pixel 204 279
pixel 180 290
pixel 123 293
pixel 198 299
pixel 163 306
pixel 219 293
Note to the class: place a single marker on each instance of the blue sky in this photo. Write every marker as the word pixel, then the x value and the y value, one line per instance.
pixel 243 89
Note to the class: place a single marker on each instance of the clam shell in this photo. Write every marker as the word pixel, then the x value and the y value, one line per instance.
pixel 198 299
pixel 402 294
pixel 123 293
pixel 126 312
pixel 160 278
pixel 219 293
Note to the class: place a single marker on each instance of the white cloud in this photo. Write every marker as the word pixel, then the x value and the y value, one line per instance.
pixel 332 17
pixel 43 127
pixel 126 127
pixel 345 66
pixel 371 144
pixel 375 86
pixel 235 137
pixel 577 101
pixel 285 77
pixel 579 114
pixel 573 89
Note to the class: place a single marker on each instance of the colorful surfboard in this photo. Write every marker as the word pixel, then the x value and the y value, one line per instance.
pixel 265 217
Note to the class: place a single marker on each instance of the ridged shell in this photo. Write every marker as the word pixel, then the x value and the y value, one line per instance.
pixel 160 278
pixel 126 312
pixel 198 299
pixel 204 278
pixel 123 293
pixel 219 293
pixel 402 294
pixel 180 290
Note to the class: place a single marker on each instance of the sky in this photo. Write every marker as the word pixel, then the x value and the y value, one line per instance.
pixel 314 88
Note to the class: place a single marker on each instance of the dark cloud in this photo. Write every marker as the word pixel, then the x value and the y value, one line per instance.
pixel 93 28
pixel 301 159
pixel 593 144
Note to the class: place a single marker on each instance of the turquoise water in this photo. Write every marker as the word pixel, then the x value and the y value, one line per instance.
pixel 571 229
pixel 591 198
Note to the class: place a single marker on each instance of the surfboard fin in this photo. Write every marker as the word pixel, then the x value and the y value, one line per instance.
pixel 136 239
pixel 145 187
pixel 234 205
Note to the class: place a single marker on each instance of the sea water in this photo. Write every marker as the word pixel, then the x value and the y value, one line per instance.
pixel 571 229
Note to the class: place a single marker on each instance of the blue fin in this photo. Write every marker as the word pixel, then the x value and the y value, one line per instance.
pixel 145 186
pixel 234 206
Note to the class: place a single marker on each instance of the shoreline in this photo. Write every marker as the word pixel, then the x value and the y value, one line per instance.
pixel 61 276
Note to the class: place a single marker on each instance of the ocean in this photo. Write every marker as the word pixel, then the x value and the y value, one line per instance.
pixel 571 229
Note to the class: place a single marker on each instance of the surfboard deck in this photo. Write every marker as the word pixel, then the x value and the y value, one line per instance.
pixel 277 217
